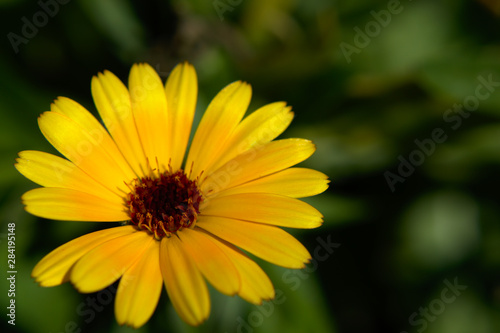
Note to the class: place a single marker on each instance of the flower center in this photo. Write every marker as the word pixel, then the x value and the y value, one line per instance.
pixel 164 204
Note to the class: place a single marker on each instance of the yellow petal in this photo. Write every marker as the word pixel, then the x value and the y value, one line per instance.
pixel 264 208
pixel 140 288
pixel 220 119
pixel 260 127
pixel 292 182
pixel 86 150
pixel 53 171
pixel 211 260
pixel 185 286
pixel 67 204
pixel 112 100
pixel 267 242
pixel 90 125
pixel 256 163
pixel 255 284
pixel 149 105
pixel 107 262
pixel 54 268
pixel 181 90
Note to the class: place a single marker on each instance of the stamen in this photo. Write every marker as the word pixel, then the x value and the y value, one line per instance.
pixel 164 204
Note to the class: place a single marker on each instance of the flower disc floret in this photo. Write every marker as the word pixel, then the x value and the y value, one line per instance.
pixel 164 204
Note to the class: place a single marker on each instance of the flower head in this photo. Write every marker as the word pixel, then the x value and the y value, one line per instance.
pixel 185 223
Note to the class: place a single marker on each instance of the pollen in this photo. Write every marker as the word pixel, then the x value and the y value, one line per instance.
pixel 164 204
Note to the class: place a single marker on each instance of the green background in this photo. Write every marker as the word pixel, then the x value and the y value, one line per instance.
pixel 369 82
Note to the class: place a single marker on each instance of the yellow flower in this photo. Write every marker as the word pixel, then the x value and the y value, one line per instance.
pixel 184 226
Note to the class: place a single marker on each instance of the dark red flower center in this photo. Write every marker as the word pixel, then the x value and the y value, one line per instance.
pixel 164 204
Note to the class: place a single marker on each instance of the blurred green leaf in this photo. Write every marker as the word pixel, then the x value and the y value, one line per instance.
pixel 456 78
pixel 466 314
pixel 439 230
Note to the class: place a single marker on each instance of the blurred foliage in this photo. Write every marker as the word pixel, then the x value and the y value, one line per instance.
pixel 365 111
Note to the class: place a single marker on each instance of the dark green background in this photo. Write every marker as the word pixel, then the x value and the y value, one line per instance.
pixel 396 250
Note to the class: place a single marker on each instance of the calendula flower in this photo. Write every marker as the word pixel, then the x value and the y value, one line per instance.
pixel 181 226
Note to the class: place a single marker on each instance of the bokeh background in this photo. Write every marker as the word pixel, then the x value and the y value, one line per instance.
pixel 412 218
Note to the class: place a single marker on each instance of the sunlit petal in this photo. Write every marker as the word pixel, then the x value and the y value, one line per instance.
pixel 184 283
pixel 267 242
pixel 54 268
pixel 182 90
pixel 107 262
pixel 140 287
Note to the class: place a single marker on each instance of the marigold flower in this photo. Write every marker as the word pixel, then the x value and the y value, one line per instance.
pixel 185 223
